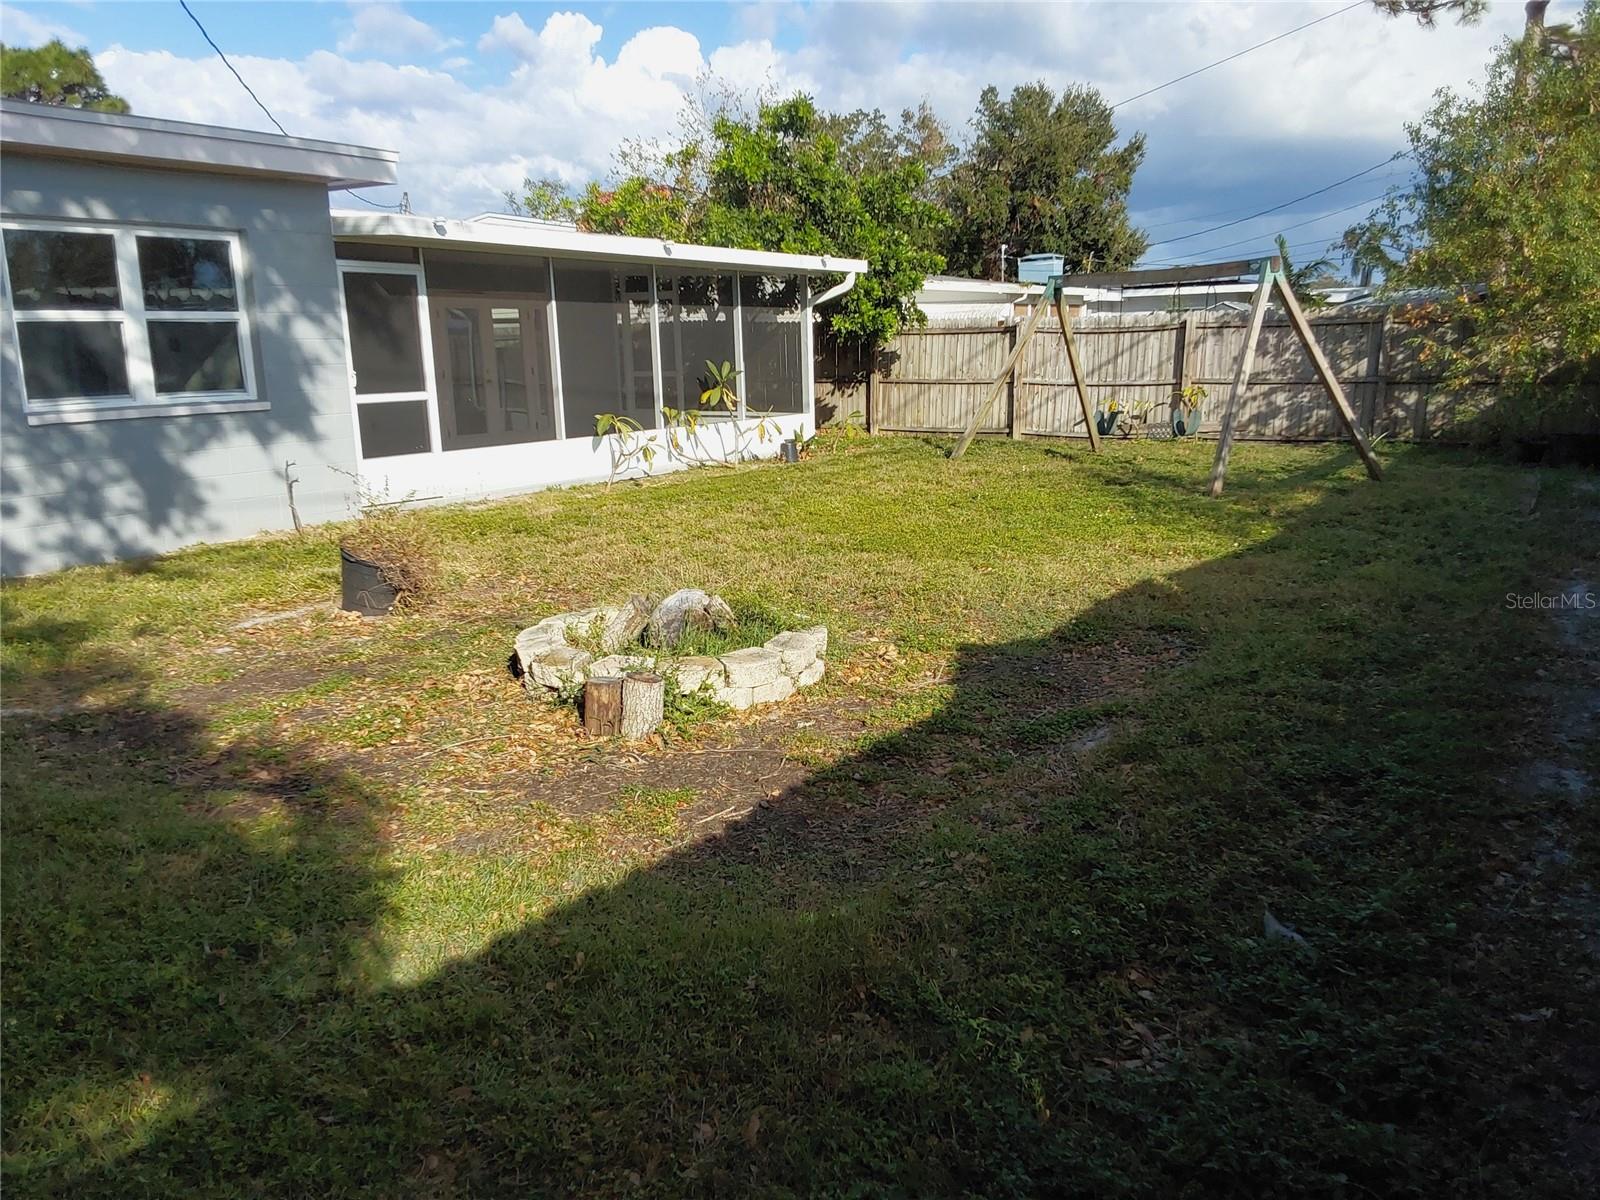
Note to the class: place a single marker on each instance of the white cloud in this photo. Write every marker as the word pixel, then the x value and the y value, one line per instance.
pixel 1282 120
pixel 387 29
pixel 21 28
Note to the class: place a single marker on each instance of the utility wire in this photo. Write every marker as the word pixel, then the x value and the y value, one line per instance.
pixel 1239 54
pixel 1196 254
pixel 183 4
pixel 1280 207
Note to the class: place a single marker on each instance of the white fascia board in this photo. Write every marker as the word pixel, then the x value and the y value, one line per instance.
pixel 54 131
pixel 569 243
pixel 945 291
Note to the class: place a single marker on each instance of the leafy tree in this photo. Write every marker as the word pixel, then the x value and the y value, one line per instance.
pixel 1428 12
pixel 867 142
pixel 547 198
pixel 1042 174
pixel 56 74
pixel 782 179
pixel 1502 219
pixel 1303 277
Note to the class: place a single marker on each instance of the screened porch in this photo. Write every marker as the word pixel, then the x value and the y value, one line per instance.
pixel 486 368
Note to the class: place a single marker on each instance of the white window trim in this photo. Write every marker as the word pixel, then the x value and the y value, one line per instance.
pixel 142 399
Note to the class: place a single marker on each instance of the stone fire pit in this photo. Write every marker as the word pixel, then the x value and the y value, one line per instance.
pixel 561 652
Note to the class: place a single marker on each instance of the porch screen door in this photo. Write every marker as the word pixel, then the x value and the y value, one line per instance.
pixel 388 358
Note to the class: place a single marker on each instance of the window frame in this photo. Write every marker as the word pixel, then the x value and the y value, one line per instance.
pixel 142 399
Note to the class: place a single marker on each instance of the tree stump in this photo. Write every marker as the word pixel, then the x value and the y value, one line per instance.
pixel 602 706
pixel 643 697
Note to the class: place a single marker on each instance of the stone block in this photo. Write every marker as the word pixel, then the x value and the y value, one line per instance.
pixel 579 624
pixel 811 674
pixel 621 664
pixel 799 648
pixel 536 641
pixel 559 667
pixel 752 667
pixel 686 609
pixel 780 688
pixel 735 697
pixel 694 672
pixel 624 624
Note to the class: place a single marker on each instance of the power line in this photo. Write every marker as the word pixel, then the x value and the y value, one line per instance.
pixel 1200 254
pixel 1280 207
pixel 183 4
pixel 1239 54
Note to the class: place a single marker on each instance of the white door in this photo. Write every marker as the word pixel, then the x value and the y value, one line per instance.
pixel 391 372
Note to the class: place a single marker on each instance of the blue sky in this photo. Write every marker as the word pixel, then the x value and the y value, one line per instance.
pixel 475 95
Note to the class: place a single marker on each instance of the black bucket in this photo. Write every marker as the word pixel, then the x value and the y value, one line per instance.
pixel 364 588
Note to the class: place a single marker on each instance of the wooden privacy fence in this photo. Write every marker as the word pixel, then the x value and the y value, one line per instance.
pixel 932 380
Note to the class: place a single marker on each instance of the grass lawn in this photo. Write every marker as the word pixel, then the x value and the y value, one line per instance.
pixel 325 907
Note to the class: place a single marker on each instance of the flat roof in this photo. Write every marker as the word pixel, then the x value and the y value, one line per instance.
pixel 949 286
pixel 55 131
pixel 561 242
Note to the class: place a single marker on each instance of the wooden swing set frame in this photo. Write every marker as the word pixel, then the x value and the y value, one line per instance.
pixel 1270 278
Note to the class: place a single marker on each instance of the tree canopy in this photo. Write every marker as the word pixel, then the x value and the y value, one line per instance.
pixel 1502 219
pixel 54 73
pixel 789 178
pixel 1042 175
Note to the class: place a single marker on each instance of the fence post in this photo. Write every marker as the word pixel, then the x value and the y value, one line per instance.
pixel 1013 426
pixel 1188 343
pixel 871 400
pixel 1376 370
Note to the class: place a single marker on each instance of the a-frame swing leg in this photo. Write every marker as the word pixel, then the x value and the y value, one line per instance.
pixel 1319 362
pixel 1012 360
pixel 1065 318
pixel 1241 377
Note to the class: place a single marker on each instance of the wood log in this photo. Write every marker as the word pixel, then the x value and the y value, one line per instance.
pixel 643 699
pixel 602 706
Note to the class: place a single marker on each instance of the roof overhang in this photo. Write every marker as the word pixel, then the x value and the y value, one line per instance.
pixel 48 130
pixel 949 290
pixel 532 237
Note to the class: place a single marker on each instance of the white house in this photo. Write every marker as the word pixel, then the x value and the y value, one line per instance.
pixel 193 347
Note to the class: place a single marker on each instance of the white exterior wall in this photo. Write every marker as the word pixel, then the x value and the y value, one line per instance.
pixel 104 490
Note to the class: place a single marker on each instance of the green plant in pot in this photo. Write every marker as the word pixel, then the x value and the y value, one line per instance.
pixel 1186 410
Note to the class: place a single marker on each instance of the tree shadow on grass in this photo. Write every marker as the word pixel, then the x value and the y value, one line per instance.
pixel 1010 949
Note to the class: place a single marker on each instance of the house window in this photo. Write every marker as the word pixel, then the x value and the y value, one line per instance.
pixel 121 321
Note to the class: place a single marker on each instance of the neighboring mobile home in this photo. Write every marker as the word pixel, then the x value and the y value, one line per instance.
pixel 191 342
